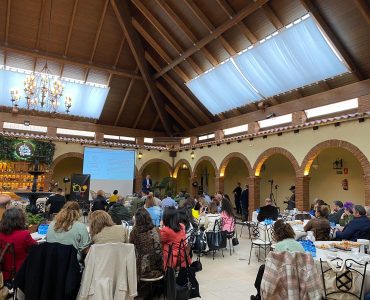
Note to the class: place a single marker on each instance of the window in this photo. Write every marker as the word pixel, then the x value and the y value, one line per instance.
pixel 284 119
pixel 63 131
pixel 332 108
pixel 111 137
pixel 235 130
pixel 206 137
pixel 33 128
pixel 127 138
pixel 185 141
pixel 148 140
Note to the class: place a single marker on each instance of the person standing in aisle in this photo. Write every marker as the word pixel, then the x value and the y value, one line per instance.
pixel 244 201
pixel 237 194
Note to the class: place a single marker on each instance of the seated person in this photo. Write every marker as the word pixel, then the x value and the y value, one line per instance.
pixel 268 211
pixel 347 216
pixel 67 230
pixel 284 235
pixel 320 225
pixel 56 202
pixel 119 212
pixel 103 230
pixel 154 211
pixel 211 217
pixel 168 201
pixel 113 198
pixel 358 228
pixel 338 211
pixel 227 215
pixel 100 203
pixel 12 230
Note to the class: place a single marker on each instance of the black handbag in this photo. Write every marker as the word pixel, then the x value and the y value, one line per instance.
pixel 196 265
pixel 170 278
pixel 200 242
pixel 235 241
pixel 216 239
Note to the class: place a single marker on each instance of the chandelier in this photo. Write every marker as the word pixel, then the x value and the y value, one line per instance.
pixel 42 90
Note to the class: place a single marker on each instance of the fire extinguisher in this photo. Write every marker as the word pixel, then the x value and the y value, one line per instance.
pixel 345 184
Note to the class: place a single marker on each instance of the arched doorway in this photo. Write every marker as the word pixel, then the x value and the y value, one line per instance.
pixel 158 169
pixel 65 167
pixel 204 175
pixel 182 174
pixel 277 169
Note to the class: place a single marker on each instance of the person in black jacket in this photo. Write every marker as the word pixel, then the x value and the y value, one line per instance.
pixel 118 212
pixel 56 202
pixel 268 211
pixel 100 202
pixel 237 194
pixel 244 201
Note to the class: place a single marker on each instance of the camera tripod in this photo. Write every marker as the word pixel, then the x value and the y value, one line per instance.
pixel 272 196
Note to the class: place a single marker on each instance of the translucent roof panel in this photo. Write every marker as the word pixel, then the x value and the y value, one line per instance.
pixel 293 58
pixel 223 88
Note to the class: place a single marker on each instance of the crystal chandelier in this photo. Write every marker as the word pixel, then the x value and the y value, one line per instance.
pixel 42 90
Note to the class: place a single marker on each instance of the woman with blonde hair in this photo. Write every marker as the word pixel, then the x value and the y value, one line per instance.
pixel 103 230
pixel 67 230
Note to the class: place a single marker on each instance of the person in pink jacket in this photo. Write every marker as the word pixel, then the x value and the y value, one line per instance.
pixel 227 215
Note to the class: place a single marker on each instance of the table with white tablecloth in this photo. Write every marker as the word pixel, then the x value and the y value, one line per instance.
pixel 263 231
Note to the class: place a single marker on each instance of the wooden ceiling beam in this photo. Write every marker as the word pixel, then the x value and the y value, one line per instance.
pixel 142 108
pixel 39 27
pixel 71 22
pixel 310 7
pixel 98 31
pixel 162 53
pixel 242 14
pixel 7 21
pixel 164 33
pixel 64 60
pixel 177 118
pixel 117 58
pixel 190 35
pixel 350 91
pixel 243 28
pixel 207 24
pixel 273 18
pixel 124 101
pixel 363 7
pixel 123 14
pixel 154 123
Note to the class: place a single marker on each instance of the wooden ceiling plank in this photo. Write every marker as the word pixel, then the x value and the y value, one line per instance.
pixel 310 7
pixel 155 123
pixel 123 14
pixel 207 23
pixel 98 31
pixel 363 7
pixel 64 60
pixel 350 91
pixel 164 33
pixel 119 52
pixel 142 108
pixel 176 117
pixel 243 28
pixel 124 101
pixel 71 22
pixel 273 18
pixel 39 27
pixel 61 71
pixel 243 13
pixel 7 21
pixel 86 74
pixel 168 10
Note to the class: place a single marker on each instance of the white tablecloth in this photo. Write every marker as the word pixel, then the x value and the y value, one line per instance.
pixel 254 216
pixel 298 231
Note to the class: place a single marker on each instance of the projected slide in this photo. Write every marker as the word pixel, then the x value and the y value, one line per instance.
pixel 110 169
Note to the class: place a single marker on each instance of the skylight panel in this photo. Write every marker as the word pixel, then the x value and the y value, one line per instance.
pixel 235 130
pixel 148 140
pixel 223 88
pixel 332 108
pixel 284 119
pixel 64 131
pixel 185 141
pixel 32 128
pixel 297 56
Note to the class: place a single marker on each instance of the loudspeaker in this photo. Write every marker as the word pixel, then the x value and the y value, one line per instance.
pixel 66 179
pixel 173 153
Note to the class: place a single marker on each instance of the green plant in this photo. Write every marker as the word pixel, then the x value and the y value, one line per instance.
pixel 32 219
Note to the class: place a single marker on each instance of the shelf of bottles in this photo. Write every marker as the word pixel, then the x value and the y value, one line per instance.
pixel 14 176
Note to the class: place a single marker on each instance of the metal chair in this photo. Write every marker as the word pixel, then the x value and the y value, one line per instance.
pixel 344 277
pixel 263 241
pixel 230 235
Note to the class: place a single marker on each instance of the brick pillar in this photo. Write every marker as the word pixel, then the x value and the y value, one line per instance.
pixel 219 135
pixel 302 193
pixel 99 137
pixel 253 127
pixel 138 180
pixel 219 184
pixel 52 132
pixel 193 140
pixel 298 117
pixel 364 103
pixel 140 141
pixel 254 194
pixel 367 189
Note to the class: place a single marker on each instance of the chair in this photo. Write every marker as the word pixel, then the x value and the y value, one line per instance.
pixel 230 235
pixel 262 241
pixel 216 239
pixel 245 223
pixel 85 208
pixel 343 277
pixel 7 252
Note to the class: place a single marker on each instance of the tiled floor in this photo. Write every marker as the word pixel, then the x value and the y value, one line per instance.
pixel 229 277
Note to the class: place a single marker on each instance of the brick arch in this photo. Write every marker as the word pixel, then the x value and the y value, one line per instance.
pixel 232 155
pixel 178 165
pixel 316 150
pixel 154 160
pixel 272 151
pixel 205 158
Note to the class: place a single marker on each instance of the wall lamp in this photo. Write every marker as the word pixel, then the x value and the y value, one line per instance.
pixel 338 164
pixel 140 155
pixel 192 155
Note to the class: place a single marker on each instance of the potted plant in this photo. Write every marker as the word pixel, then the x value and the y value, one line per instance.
pixel 33 221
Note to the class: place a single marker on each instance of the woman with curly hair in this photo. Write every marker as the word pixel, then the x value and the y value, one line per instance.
pixel 67 230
